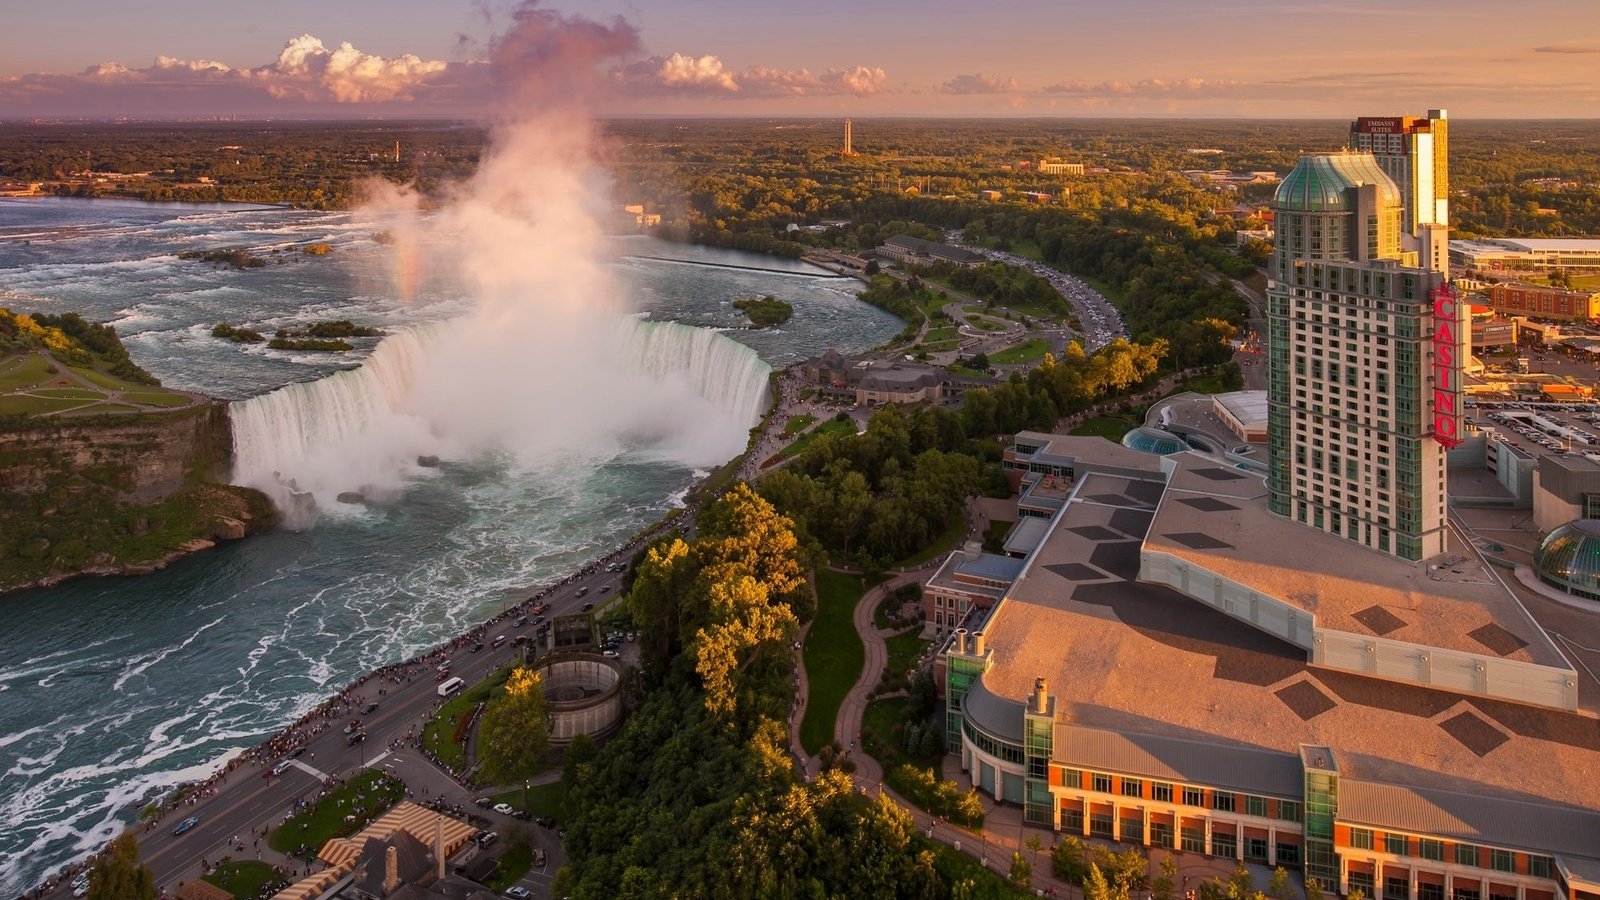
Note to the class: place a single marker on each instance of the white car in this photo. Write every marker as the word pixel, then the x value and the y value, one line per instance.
pixel 504 809
pixel 281 767
pixel 518 893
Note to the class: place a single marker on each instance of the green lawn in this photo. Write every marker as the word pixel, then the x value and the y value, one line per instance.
pixel 882 733
pixel 832 426
pixel 543 800
pixel 1104 426
pixel 514 863
pixel 833 655
pixel 365 797
pixel 69 393
pixel 1204 384
pixel 797 424
pixel 983 324
pixel 1026 352
pixel 994 537
pixel 243 879
pixel 21 371
pixel 111 382
pixel 963 370
pixel 16 405
pixel 944 543
pixel 439 734
pixel 904 651
pixel 941 333
pixel 934 304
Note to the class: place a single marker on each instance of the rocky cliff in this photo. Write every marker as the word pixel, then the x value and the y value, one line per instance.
pixel 112 494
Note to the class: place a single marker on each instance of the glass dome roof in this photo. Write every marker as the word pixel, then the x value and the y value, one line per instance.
pixel 1319 183
pixel 1153 440
pixel 1569 558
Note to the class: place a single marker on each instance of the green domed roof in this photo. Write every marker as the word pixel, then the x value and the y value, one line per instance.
pixel 1319 183
pixel 1569 558
pixel 1153 440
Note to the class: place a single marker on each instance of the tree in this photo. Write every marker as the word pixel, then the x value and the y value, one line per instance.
pixel 1095 888
pixel 1021 872
pixel 1278 886
pixel 1165 885
pixel 979 361
pixel 1069 859
pixel 516 730
pixel 1313 889
pixel 118 874
pixel 872 268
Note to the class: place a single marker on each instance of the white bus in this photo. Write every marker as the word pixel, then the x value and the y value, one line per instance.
pixel 451 686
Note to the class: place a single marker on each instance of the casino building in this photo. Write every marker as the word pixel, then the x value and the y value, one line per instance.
pixel 1357 692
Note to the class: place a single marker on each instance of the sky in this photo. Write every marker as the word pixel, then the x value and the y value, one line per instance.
pixel 1151 58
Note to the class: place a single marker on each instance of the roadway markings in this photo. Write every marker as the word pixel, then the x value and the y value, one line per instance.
pixel 318 774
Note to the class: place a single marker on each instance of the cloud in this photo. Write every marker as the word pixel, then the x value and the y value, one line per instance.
pixel 979 84
pixel 707 75
pixel 1565 48
pixel 309 70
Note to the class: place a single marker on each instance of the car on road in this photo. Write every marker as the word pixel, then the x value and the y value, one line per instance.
pixel 486 838
pixel 476 647
pixel 352 726
pixel 582 591
pixel 297 751
pixel 588 606
pixel 605 589
pixel 504 809
pixel 499 640
pixel 355 739
pixel 610 654
pixel 519 621
pixel 518 893
pixel 370 708
pixel 281 767
pixel 185 825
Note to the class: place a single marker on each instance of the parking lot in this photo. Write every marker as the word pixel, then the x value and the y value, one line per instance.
pixel 1539 427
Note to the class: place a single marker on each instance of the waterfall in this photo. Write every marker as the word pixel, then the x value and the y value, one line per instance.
pixel 719 368
pixel 359 429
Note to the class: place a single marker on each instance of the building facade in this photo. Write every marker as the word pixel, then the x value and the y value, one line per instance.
pixel 1540 302
pixel 1357 343
pixel 1414 152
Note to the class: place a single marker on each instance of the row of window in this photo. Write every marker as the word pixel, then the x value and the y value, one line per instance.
pixel 1163 792
pixel 1461 854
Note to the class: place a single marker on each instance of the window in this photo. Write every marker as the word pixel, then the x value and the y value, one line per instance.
pixel 1100 824
pixel 1289 810
pixel 1132 787
pixel 1502 861
pixel 1288 854
pixel 1194 797
pixel 1161 835
pixel 1430 849
pixel 1255 849
pixel 1427 891
pixel 1256 806
pixel 1540 866
pixel 1071 778
pixel 1362 880
pixel 1466 855
pixel 1224 844
pixel 1102 782
pixel 1396 889
pixel 1194 840
pixel 1361 838
pixel 1222 801
pixel 1394 843
pixel 1072 820
pixel 1161 791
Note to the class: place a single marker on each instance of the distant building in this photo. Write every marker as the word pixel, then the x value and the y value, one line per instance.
pixel 1053 166
pixel 639 216
pixel 873 381
pixel 1494 332
pixel 1244 413
pixel 1038 197
pixel 848 150
pixel 1544 302
pixel 988 195
pixel 1414 152
pixel 908 249
pixel 1526 254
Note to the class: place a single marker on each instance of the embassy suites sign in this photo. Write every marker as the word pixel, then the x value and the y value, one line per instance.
pixel 1447 325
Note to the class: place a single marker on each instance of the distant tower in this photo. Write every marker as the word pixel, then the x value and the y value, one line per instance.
pixel 848 150
pixel 396 151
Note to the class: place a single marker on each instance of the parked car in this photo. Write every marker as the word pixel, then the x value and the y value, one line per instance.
pixel 486 838
pixel 518 892
pixel 281 767
pixel 545 822
pixel 185 825
pixel 610 654
pixel 504 809
pixel 483 802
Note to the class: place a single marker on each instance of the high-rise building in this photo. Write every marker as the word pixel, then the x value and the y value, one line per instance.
pixel 848 150
pixel 1414 152
pixel 1365 351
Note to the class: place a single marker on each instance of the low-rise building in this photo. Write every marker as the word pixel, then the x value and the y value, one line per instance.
pixel 1237 686
pixel 915 250
pixel 1244 413
pixel 1526 254
pixel 1055 166
pixel 1542 302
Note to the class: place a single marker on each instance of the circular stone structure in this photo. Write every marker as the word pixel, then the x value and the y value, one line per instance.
pixel 1153 440
pixel 1569 558
pixel 585 694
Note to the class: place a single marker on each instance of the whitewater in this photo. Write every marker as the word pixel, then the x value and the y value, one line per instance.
pixel 113 690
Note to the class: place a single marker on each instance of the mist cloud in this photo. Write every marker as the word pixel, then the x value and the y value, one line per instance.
pixel 980 83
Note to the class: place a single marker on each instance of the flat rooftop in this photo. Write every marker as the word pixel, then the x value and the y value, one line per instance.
pixel 1217 517
pixel 1143 659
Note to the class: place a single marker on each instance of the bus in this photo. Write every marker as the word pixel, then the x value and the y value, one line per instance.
pixel 451 686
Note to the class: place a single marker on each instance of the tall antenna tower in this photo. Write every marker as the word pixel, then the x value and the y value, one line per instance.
pixel 396 151
pixel 848 150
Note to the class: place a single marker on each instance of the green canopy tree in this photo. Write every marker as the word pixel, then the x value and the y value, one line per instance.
pixel 516 730
pixel 118 874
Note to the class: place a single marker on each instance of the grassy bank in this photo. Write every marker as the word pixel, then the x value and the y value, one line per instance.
pixel 834 655
pixel 1111 429
pixel 439 735
pixel 365 797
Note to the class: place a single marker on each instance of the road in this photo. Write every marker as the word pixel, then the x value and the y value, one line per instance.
pixel 248 797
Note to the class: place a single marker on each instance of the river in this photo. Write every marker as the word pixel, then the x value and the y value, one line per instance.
pixel 113 689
